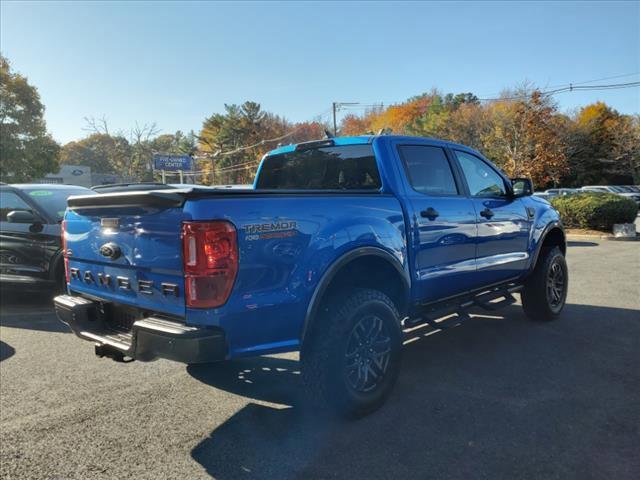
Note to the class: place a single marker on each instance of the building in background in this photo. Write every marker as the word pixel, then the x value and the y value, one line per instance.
pixel 71 175
pixel 80 175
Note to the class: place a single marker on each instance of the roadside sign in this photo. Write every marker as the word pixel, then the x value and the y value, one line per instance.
pixel 172 162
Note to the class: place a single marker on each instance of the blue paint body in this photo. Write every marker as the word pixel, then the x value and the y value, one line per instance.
pixel 277 278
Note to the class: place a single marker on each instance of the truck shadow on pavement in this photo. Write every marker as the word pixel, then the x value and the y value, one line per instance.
pixel 577 243
pixel 6 351
pixel 497 397
pixel 33 311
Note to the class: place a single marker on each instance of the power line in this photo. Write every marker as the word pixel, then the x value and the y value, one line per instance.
pixel 571 87
pixel 241 165
pixel 582 82
pixel 568 88
pixel 595 80
pixel 548 91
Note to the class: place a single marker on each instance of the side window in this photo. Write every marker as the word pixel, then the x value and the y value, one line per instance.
pixel 428 170
pixel 483 180
pixel 9 201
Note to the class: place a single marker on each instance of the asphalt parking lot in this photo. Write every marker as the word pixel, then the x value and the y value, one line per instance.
pixel 499 397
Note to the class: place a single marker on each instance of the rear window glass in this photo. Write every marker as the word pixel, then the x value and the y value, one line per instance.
pixel 348 167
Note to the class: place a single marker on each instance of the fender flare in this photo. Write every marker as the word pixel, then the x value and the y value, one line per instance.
pixel 334 268
pixel 550 226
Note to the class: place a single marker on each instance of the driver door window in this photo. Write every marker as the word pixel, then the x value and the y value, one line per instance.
pixel 483 181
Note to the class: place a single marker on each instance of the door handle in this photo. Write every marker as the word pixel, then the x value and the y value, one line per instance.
pixel 487 213
pixel 430 213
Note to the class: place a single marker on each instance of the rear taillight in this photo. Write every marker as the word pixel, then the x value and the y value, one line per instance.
pixel 210 256
pixel 63 232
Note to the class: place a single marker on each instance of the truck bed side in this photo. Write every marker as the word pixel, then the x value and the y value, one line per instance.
pixel 286 244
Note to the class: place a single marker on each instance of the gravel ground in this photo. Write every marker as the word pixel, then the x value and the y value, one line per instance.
pixel 498 397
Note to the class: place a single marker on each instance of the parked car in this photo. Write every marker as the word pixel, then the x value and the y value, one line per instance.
pixel 544 195
pixel 629 188
pixel 342 243
pixel 618 190
pixel 553 192
pixel 30 243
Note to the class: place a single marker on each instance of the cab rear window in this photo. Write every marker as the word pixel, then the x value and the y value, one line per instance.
pixel 347 167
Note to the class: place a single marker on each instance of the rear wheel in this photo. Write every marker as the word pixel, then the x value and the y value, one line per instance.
pixel 545 292
pixel 352 359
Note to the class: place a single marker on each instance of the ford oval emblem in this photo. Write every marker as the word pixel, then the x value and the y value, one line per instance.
pixel 110 250
pixel 77 172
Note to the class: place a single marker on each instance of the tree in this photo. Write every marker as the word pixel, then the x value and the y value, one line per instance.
pixel 100 151
pixel 27 151
pixel 234 141
pixel 176 143
pixel 467 124
pixel 134 161
pixel 399 118
pixel 626 147
pixel 524 139
pixel 604 146
pixel 355 125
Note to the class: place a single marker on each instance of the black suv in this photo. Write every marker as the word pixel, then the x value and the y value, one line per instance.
pixel 30 244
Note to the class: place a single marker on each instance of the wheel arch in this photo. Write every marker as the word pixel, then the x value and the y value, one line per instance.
pixel 552 236
pixel 370 267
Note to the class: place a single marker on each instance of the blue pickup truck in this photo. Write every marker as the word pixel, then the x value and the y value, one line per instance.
pixel 340 245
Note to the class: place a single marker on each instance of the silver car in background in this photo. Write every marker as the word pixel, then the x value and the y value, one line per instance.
pixel 623 191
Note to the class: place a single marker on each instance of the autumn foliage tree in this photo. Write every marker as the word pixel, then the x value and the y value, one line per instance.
pixel 353 124
pixel 524 141
pixel 605 146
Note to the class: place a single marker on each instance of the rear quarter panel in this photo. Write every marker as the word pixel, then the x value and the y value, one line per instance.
pixel 286 243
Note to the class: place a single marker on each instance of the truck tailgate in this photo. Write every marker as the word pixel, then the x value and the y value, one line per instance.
pixel 129 254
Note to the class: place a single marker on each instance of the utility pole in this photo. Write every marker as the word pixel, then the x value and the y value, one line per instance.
pixel 213 166
pixel 335 125
pixel 336 106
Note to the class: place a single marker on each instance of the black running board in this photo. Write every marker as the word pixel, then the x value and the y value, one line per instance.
pixel 453 312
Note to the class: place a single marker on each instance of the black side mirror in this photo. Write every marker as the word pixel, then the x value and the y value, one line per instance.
pixel 20 216
pixel 521 187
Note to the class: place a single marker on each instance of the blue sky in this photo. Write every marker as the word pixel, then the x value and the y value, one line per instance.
pixel 177 63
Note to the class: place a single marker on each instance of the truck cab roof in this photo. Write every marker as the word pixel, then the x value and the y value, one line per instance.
pixel 363 140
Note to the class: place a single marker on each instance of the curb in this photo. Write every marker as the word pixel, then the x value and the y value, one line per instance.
pixel 604 236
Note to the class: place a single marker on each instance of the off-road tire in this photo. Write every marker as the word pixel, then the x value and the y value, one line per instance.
pixel 327 357
pixel 538 298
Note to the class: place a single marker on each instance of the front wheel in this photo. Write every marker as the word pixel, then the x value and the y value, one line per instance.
pixel 351 362
pixel 545 292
